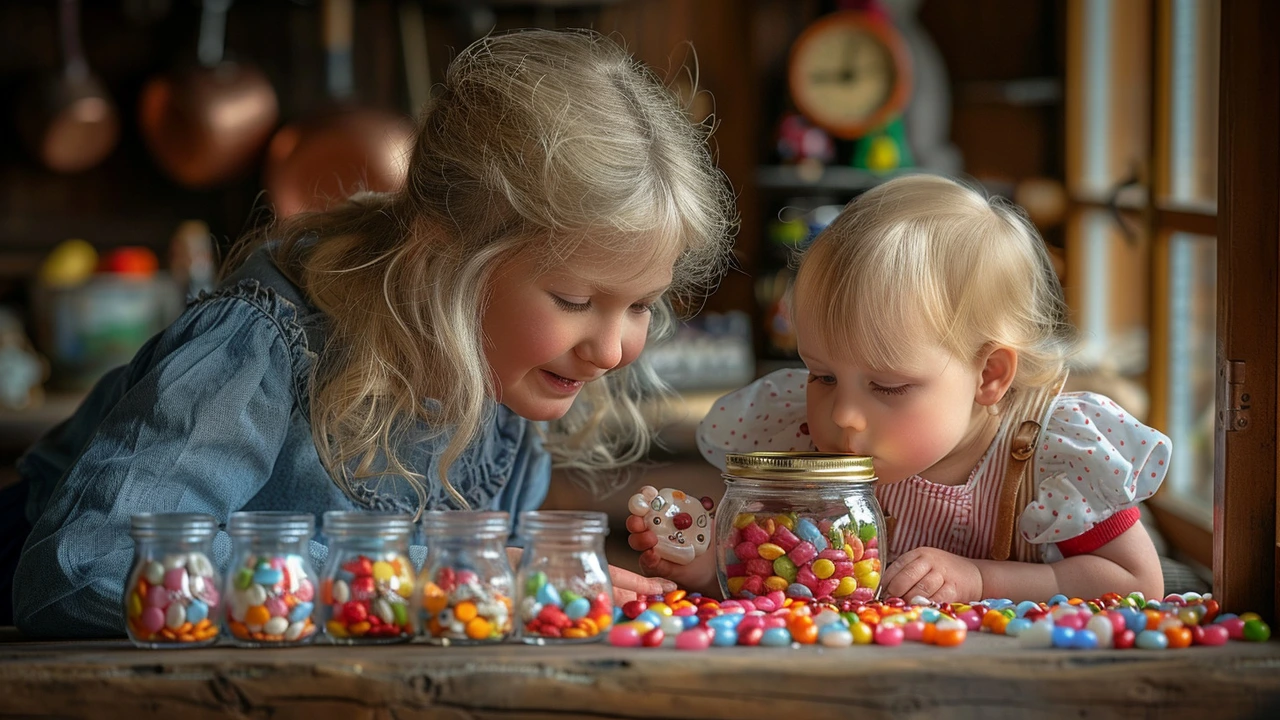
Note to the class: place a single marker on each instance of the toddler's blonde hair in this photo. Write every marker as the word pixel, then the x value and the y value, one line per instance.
pixel 922 258
pixel 535 142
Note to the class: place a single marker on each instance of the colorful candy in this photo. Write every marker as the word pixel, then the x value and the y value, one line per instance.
pixel 270 598
pixel 548 612
pixel 458 606
pixel 368 599
pixel 822 560
pixel 173 600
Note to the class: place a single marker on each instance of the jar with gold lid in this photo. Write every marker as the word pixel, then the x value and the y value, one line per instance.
pixel 806 524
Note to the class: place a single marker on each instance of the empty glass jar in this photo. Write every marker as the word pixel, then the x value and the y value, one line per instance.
pixel 271 586
pixel 171 598
pixel 466 589
pixel 803 523
pixel 367 580
pixel 566 595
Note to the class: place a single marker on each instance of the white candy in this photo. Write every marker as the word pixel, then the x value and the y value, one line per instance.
pixel 276 626
pixel 236 606
pixel 672 625
pixel 341 591
pixel 382 609
pixel 197 585
pixel 1039 635
pixel 529 608
pixel 826 617
pixel 255 594
pixel 1102 628
pixel 199 564
pixel 294 631
pixel 836 638
pixel 154 573
pixel 175 616
pixel 948 623
pixel 173 562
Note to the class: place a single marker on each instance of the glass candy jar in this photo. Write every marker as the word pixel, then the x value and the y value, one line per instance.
pixel 368 579
pixel 466 588
pixel 805 524
pixel 271 586
pixel 566 594
pixel 171 598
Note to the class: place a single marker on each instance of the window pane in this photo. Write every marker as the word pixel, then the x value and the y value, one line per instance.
pixel 1187 104
pixel 1192 285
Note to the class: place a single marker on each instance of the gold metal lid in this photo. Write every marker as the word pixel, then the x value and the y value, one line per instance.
pixel 831 467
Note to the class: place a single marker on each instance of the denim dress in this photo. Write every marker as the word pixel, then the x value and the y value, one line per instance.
pixel 211 417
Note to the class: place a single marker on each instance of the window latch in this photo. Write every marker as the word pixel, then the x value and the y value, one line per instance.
pixel 1236 415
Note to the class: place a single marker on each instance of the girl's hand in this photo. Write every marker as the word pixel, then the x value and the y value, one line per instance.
pixel 697 576
pixel 934 574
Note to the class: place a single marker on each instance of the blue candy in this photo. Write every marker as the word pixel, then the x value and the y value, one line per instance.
pixel 1057 599
pixel 930 614
pixel 1016 627
pixel 267 577
pixel 1025 607
pixel 1085 640
pixel 727 637
pixel 197 611
pixel 1152 640
pixel 548 595
pixel 798 591
pixel 1063 637
pixel 650 618
pixel 776 637
pixel 300 612
pixel 577 608
pixel 806 530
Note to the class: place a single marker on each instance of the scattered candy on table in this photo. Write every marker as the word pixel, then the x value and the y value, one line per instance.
pixel 368 599
pixel 174 600
pixel 693 622
pixel 456 605
pixel 801 559
pixel 549 612
pixel 270 600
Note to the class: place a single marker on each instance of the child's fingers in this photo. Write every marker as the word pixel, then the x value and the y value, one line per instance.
pixel 642 541
pixel 910 571
pixel 636 524
pixel 653 564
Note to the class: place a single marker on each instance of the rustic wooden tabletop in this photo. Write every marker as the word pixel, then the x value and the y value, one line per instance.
pixel 988 677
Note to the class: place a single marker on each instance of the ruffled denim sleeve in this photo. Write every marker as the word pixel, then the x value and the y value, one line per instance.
pixel 193 424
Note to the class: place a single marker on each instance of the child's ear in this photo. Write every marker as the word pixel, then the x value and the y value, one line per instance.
pixel 999 366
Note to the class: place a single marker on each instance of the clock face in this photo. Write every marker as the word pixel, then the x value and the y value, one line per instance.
pixel 849 73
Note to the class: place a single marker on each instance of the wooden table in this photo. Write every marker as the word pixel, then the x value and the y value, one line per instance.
pixel 988 677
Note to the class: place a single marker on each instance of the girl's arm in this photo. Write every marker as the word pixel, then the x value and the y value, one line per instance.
pixel 1125 564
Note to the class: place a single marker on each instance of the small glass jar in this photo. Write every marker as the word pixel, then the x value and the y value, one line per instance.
pixel 368 578
pixel 172 599
pixel 566 595
pixel 466 588
pixel 271 586
pixel 803 523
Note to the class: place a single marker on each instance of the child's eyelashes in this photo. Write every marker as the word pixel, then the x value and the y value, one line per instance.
pixel 822 379
pixel 570 306
pixel 889 389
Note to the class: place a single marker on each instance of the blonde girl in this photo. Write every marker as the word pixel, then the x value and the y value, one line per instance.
pixel 439 347
pixel 935 338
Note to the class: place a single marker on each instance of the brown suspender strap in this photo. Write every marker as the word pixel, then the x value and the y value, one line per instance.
pixel 1021 449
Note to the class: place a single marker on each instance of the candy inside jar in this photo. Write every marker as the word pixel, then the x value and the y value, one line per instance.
pixel 466 586
pixel 368 578
pixel 271 586
pixel 805 524
pixel 171 596
pixel 566 595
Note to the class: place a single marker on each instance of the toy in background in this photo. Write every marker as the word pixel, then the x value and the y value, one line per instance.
pixel 93 312
pixel 712 350
pixel 681 522
pixel 22 370
pixel 805 145
pixel 850 74
pixel 787 236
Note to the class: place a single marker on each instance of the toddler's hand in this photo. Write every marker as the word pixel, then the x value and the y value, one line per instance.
pixel 934 574
pixel 699 575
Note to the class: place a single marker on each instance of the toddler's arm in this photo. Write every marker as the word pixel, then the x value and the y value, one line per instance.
pixel 1125 564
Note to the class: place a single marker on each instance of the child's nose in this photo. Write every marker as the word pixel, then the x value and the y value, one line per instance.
pixel 603 348
pixel 848 416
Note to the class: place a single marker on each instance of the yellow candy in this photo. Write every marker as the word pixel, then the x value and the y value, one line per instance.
pixel 661 608
pixel 479 628
pixel 1249 616
pixel 735 585
pixel 848 550
pixel 135 605
pixel 775 582
pixel 846 587
pixel 336 628
pixel 575 633
pixel 769 551
pixel 743 520
pixel 871 580
pixel 862 633
pixel 359 629
pixel 823 568
pixel 382 571
pixel 786 521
